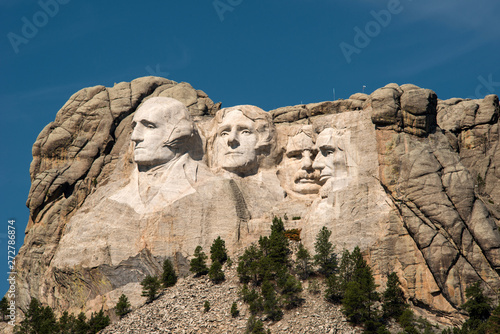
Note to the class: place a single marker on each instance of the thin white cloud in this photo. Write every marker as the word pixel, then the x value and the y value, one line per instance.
pixel 440 56
pixel 40 92
pixel 480 17
pixel 461 15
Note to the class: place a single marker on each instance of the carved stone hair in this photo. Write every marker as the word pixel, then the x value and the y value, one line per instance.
pixel 338 137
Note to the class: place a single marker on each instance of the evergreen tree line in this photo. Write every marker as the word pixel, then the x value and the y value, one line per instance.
pixel 350 283
pixel 271 283
pixel 151 285
pixel 218 256
pixel 483 319
pixel 270 280
pixel 41 320
pixel 266 271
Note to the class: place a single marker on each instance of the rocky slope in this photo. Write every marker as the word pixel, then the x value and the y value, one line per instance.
pixel 416 186
pixel 180 310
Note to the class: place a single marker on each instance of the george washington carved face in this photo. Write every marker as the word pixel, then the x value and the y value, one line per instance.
pixel 161 128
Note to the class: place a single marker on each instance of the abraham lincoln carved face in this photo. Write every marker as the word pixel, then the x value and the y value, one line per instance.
pixel 331 159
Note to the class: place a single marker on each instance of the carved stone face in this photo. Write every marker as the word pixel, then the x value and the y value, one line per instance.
pixel 331 158
pixel 297 170
pixel 236 142
pixel 158 126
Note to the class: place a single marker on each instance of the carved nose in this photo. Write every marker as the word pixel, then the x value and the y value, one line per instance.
pixel 318 162
pixel 306 160
pixel 136 135
pixel 232 139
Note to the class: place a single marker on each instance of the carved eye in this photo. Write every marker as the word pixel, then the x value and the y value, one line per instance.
pixel 224 133
pixel 246 132
pixel 148 125
pixel 295 155
pixel 328 151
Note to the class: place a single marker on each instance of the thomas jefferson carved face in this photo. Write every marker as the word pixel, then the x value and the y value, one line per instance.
pixel 331 158
pixel 237 141
pixel 242 133
pixel 297 171
pixel 161 127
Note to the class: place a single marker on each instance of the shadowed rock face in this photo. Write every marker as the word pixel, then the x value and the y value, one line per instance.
pixel 411 179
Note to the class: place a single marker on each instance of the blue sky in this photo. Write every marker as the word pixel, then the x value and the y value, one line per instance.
pixel 266 53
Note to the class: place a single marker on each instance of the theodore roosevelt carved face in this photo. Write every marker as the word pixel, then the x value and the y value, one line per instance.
pixel 161 130
pixel 242 133
pixel 297 172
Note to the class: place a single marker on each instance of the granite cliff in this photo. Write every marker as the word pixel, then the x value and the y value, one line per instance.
pixel 411 179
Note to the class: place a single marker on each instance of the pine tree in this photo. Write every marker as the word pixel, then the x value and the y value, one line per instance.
pixel 198 264
pixel 48 322
pixel 264 246
pixel 248 295
pixel 278 249
pixel 334 291
pixel 31 316
pixel 363 275
pixel 359 295
pixel 394 300
pixel 168 277
pixel 493 324
pixel 357 260
pixel 303 264
pixel 252 298
pixel 352 303
pixel 407 321
pixel 290 292
pixel 66 323
pixel 215 273
pixel 206 306
pixel 218 251
pixel 97 322
pixel 255 326
pixel 271 306
pixel 38 319
pixel 81 326
pixel 325 258
pixel 249 264
pixel 122 307
pixel 256 306
pixel 234 310
pixel 337 282
pixel 478 307
pixel 150 287
pixel 4 308
pixel 266 268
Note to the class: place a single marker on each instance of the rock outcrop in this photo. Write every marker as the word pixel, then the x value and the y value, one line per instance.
pixel 411 179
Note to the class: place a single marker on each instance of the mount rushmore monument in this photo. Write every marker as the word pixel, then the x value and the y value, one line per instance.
pixel 127 176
